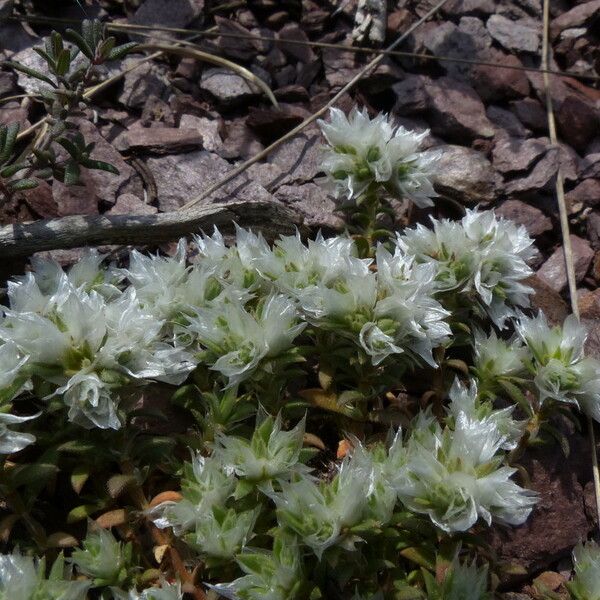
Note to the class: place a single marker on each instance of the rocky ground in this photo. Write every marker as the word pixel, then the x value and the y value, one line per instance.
pixel 174 126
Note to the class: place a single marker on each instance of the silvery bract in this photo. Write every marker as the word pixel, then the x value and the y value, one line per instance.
pixel 223 533
pixel 364 151
pixel 166 591
pixel 481 256
pixel 103 558
pixel 275 575
pixel 237 339
pixel 561 371
pixel 319 512
pixel 463 582
pixel 204 485
pixel 24 578
pixel 456 477
pixel 495 357
pixel 14 441
pixel 270 454
pixel 465 401
pixel 87 345
pixel 586 582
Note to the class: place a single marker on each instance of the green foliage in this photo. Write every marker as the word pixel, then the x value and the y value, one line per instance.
pixel 69 68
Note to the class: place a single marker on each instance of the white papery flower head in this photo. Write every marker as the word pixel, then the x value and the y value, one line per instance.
pixel 464 582
pixel 483 256
pixel 275 575
pixel 11 365
pixel 561 371
pixel 237 340
pixel 586 582
pixel 464 401
pixel 222 533
pixel 270 454
pixel 24 578
pixel 103 558
pixel 495 357
pixel 318 512
pixel 364 151
pixel 88 345
pixel 166 591
pixel 204 485
pixel 406 298
pixel 456 477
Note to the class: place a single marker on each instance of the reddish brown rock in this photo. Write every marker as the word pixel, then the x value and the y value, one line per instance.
pixel 271 123
pixel 513 154
pixel 546 299
pixel 311 201
pixel 41 201
pixel 531 113
pixel 291 33
pixel 578 122
pixel 559 520
pixel 532 218
pixel 159 140
pixel 554 271
pixel 456 112
pixel 589 304
pixel 587 192
pixel 494 84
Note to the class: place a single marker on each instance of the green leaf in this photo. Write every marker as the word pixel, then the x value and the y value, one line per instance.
pixel 106 47
pixel 33 473
pixel 31 72
pixel 63 62
pixel 24 184
pixel 77 39
pixel 515 394
pixel 8 137
pixel 99 165
pixel 118 484
pixel 72 173
pixel 83 511
pixel 79 476
pixel 51 62
pixel 57 44
pixel 121 51
pixel 12 169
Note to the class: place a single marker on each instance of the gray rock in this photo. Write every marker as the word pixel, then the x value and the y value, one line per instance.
pixel 237 48
pixel 576 17
pixel 207 128
pixel 532 218
pixel 227 88
pixel 456 111
pixel 239 141
pixel 7 83
pixel 313 203
pixel 513 154
pixel 590 166
pixel 465 175
pixel 168 13
pixel 554 272
pixel 519 36
pixel 141 83
pixel 31 59
pixel 181 177
pixel 299 159
pixel 130 204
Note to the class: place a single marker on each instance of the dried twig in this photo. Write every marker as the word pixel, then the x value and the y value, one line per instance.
pixel 564 226
pixel 72 232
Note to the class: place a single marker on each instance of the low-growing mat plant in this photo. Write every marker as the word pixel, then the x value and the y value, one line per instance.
pixel 169 427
